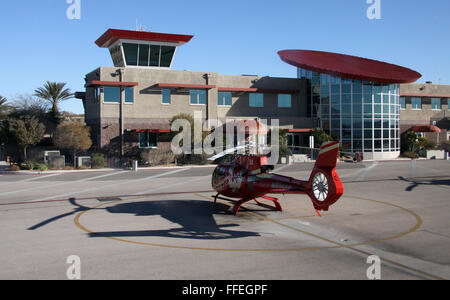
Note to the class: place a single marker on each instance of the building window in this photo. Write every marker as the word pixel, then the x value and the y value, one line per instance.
pixel 112 95
pixel 284 100
pixel 165 96
pixel 402 103
pixel 131 54
pixel 436 104
pixel 148 140
pixel 198 97
pixel 129 95
pixel 256 100
pixel 145 55
pixel 224 99
pixel 167 53
pixel 416 103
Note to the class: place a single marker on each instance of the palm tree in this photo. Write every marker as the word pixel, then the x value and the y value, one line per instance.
pixel 54 92
pixel 3 106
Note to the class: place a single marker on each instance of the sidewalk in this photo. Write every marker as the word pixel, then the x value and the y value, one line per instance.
pixel 36 172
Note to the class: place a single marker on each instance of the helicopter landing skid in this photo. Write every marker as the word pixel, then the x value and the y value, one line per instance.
pixel 238 204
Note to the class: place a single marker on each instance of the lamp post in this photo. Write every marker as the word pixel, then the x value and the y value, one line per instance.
pixel 121 115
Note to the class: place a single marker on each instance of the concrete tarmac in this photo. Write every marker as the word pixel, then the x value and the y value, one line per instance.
pixel 163 224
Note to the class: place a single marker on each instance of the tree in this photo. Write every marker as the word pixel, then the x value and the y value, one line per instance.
pixel 54 92
pixel 4 108
pixel 409 142
pixel 73 136
pixel 445 146
pixel 26 131
pixel 320 137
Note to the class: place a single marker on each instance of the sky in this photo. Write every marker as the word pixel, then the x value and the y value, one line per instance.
pixel 40 43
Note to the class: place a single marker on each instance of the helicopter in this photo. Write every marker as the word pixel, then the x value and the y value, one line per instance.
pixel 249 177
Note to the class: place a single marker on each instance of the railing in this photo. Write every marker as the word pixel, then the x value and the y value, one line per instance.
pixel 313 153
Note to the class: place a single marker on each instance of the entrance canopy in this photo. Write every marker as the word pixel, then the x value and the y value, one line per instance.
pixel 426 128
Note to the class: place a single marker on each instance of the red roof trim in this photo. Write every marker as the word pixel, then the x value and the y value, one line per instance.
pixel 111 83
pixel 426 128
pixel 256 90
pixel 112 35
pixel 306 130
pixel 187 86
pixel 425 95
pixel 227 89
pixel 350 67
pixel 153 130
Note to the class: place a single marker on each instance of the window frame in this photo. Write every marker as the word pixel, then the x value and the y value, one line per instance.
pixel 223 96
pixel 150 43
pixel 289 97
pixel 198 93
pixel 440 104
pixel 401 103
pixel 163 95
pixel 118 101
pixel 148 140
pixel 256 98
pixel 412 103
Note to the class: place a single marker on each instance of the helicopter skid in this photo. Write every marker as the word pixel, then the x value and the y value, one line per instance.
pixel 238 204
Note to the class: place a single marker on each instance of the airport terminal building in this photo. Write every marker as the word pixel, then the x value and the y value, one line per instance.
pixel 358 101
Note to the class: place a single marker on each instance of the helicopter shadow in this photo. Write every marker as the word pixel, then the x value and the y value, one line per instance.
pixel 416 183
pixel 195 217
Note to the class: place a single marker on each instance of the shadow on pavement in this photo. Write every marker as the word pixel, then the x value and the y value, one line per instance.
pixel 195 217
pixel 415 182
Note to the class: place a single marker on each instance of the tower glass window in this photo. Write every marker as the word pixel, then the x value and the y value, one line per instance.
pixel 363 116
pixel 145 55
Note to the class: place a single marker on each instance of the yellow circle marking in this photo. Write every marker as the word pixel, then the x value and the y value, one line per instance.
pixel 336 244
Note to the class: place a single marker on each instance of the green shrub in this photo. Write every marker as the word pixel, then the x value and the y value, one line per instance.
pixel 445 146
pixel 14 168
pixel 412 155
pixel 42 167
pixel 28 165
pixel 98 161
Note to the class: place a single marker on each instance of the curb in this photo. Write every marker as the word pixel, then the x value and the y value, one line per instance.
pixel 100 170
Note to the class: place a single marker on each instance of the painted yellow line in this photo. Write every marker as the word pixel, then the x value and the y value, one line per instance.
pixel 417 226
pixel 337 245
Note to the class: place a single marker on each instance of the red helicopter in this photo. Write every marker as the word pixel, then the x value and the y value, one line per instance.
pixel 248 177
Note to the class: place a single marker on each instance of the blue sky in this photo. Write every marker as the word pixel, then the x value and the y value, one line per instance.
pixel 230 36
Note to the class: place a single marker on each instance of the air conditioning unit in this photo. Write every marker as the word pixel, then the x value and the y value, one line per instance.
pixel 84 161
pixel 48 154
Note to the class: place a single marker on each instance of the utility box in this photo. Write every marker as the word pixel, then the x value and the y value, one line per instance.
pixel 56 162
pixel 84 161
pixel 435 154
pixel 49 154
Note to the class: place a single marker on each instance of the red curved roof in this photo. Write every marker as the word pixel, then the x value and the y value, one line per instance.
pixel 351 67
pixel 112 35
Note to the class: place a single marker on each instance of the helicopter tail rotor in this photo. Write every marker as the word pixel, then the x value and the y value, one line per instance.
pixel 324 186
